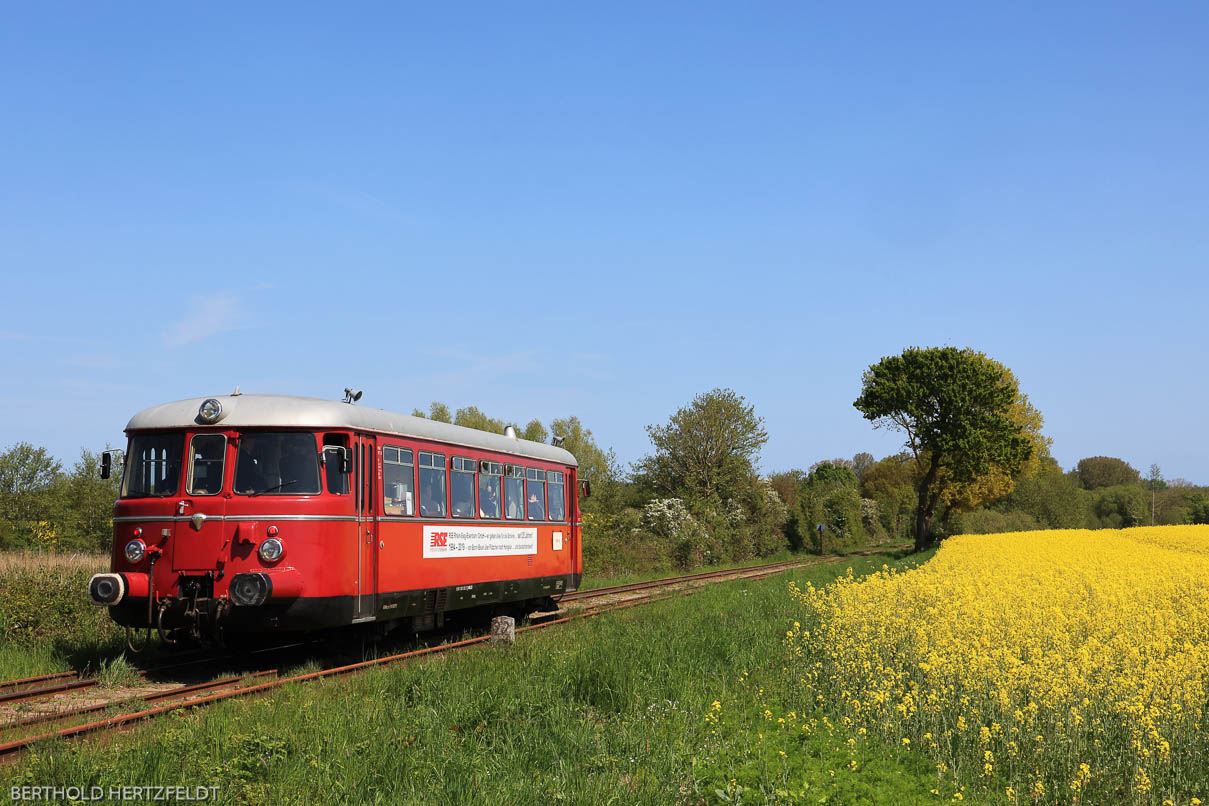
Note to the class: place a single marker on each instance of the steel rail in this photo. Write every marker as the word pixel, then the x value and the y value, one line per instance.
pixel 31 681
pixel 587 593
pixel 44 691
pixel 745 572
pixel 56 716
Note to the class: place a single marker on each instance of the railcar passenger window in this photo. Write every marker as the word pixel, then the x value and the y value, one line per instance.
pixel 489 489
pixel 398 481
pixel 206 455
pixel 461 488
pixel 558 510
pixel 514 493
pixel 153 465
pixel 432 484
pixel 536 483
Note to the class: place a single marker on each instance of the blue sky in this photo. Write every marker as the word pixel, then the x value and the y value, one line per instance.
pixel 544 210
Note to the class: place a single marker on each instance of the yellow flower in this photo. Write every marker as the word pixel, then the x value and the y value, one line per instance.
pixel 1015 633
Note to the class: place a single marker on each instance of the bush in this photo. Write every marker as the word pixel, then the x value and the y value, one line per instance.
pixel 1119 507
pixel 45 596
pixel 614 545
pixel 1198 509
pixel 989 521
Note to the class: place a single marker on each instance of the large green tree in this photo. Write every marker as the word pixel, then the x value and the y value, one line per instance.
pixel 28 478
pixel 1095 472
pixel 597 465
pixel 954 406
pixel 471 417
pixel 707 449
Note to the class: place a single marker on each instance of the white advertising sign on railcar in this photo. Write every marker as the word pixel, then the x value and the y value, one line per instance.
pixel 478 541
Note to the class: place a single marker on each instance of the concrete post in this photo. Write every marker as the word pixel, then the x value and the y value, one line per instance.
pixel 503 631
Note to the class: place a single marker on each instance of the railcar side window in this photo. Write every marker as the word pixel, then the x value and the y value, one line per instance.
pixel 277 464
pixel 206 459
pixel 514 493
pixel 398 481
pixel 558 510
pixel 489 489
pixel 536 483
pixel 461 488
pixel 432 484
pixel 153 465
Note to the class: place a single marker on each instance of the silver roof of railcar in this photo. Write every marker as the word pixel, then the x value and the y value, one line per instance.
pixel 286 411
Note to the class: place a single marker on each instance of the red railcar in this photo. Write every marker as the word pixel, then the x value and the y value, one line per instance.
pixel 266 513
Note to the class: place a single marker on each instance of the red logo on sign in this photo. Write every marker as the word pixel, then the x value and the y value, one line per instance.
pixel 439 540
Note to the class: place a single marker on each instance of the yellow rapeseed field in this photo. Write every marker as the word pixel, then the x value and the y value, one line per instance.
pixel 1053 666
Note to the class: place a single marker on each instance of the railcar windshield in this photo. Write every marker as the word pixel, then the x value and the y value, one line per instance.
pixel 206 454
pixel 153 465
pixel 277 464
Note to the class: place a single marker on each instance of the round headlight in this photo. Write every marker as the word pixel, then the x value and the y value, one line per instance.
pixel 135 550
pixel 210 411
pixel 271 550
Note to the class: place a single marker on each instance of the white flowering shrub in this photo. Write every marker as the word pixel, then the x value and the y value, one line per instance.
pixel 871 519
pixel 668 517
pixel 692 542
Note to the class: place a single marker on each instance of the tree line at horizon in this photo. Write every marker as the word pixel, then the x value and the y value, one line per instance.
pixel 975 460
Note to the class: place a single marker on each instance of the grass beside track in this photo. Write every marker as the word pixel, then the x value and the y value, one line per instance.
pixel 690 700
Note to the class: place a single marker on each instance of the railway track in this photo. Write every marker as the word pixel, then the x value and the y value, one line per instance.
pixel 159 702
pixel 49 685
pixel 728 573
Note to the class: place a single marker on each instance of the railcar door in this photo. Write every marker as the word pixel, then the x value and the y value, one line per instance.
pixel 198 528
pixel 366 471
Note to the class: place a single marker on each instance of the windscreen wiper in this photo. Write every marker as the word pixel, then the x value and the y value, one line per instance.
pixel 271 489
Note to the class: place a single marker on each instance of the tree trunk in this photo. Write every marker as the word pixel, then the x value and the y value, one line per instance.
pixel 925 505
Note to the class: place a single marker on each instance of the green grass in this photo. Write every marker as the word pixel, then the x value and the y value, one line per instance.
pixel 614 709
pixel 117 673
